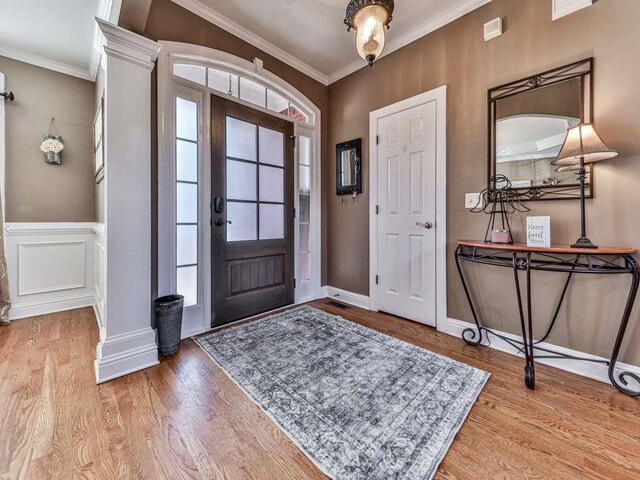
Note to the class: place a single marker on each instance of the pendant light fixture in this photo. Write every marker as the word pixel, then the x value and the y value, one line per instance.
pixel 370 19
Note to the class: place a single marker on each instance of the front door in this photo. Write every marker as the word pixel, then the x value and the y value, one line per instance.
pixel 407 210
pixel 252 211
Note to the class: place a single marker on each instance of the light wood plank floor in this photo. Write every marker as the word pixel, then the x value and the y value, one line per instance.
pixel 185 419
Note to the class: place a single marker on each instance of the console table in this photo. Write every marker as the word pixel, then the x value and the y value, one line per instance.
pixel 562 259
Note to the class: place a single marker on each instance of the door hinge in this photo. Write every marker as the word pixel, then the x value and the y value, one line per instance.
pixel 377 209
pixel 293 137
pixel 294 283
pixel 377 139
pixel 377 279
pixel 294 213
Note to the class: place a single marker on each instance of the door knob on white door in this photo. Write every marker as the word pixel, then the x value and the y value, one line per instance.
pixel 427 225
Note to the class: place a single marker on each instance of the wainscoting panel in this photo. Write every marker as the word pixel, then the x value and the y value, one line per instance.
pixel 51 267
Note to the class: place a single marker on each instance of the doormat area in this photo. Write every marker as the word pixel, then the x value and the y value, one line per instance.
pixel 360 404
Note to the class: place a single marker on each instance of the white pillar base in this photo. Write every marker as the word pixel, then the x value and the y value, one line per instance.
pixel 126 353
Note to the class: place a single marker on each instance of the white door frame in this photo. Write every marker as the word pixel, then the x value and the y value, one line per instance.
pixel 438 95
pixel 178 52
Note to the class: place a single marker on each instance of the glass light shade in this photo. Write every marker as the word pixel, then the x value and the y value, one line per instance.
pixel 582 142
pixel 370 31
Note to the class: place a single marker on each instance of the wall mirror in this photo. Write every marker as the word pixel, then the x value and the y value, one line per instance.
pixel 528 120
pixel 348 171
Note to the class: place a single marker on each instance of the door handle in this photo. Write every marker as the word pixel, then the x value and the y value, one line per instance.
pixel 220 222
pixel 427 225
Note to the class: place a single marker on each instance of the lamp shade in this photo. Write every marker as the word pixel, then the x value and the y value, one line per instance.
pixel 582 142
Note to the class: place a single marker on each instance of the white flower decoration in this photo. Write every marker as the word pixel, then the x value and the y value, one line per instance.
pixel 51 145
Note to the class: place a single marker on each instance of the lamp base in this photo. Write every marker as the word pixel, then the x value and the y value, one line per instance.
pixel 583 242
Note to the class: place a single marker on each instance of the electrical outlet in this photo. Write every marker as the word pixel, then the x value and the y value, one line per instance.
pixel 472 200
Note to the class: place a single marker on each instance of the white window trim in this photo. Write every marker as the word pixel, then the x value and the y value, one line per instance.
pixel 197 319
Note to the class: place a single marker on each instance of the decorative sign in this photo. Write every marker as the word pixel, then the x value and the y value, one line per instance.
pixel 538 231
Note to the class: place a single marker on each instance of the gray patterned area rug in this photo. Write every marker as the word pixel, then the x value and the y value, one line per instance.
pixel 360 404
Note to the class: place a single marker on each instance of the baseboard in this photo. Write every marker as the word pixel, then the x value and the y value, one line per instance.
pixel 51 306
pixel 595 371
pixel 120 355
pixel 345 296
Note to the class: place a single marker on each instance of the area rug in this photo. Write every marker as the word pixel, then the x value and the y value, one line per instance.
pixel 360 404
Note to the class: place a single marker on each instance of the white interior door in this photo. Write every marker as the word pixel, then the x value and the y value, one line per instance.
pixel 406 227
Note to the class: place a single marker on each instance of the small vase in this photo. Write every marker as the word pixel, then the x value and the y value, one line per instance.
pixel 53 158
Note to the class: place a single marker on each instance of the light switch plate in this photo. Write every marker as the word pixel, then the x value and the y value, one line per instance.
pixel 472 200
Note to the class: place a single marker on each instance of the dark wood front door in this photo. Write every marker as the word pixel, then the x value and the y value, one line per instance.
pixel 252 211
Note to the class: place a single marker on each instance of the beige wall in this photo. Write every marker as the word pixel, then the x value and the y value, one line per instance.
pixel 457 56
pixel 36 191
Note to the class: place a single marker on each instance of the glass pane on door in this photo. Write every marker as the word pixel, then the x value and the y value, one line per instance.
pixel 271 147
pixel 243 218
pixel 241 180
pixel 271 184
pixel 271 221
pixel 241 139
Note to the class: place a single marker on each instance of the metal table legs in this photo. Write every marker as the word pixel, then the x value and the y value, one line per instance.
pixel 528 345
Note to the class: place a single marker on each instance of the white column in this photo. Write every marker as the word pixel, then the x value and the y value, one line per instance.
pixel 127 341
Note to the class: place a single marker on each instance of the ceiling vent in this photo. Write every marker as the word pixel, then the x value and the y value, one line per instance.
pixel 492 29
pixel 560 8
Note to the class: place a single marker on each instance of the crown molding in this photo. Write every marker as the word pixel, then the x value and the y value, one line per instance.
pixel 43 62
pixel 194 6
pixel 126 45
pixel 444 18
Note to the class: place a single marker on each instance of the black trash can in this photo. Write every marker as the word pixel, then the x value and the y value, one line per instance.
pixel 169 323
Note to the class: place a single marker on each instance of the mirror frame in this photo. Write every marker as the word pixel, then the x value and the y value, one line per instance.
pixel 342 147
pixel 582 69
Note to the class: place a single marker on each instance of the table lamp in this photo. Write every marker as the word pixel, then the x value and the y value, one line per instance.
pixel 582 145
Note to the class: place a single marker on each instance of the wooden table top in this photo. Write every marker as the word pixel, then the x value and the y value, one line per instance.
pixel 521 247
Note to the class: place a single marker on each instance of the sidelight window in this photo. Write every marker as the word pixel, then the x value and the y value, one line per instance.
pixel 186 152
pixel 304 224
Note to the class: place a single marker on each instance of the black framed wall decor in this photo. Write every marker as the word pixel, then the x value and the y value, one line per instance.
pixel 349 167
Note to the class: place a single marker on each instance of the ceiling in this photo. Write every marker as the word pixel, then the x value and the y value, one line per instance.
pixel 58 35
pixel 313 33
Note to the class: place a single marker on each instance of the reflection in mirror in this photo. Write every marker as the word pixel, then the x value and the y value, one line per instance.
pixel 528 124
pixel 348 175
pixel 348 167
pixel 527 144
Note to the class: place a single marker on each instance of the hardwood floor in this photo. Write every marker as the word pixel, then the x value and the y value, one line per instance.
pixel 185 419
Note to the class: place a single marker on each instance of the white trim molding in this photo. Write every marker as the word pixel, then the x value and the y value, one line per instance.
pixel 344 296
pixel 127 341
pixel 209 14
pixel 439 95
pixel 47 63
pixel 125 353
pixel 459 9
pixel 595 371
pixel 562 8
